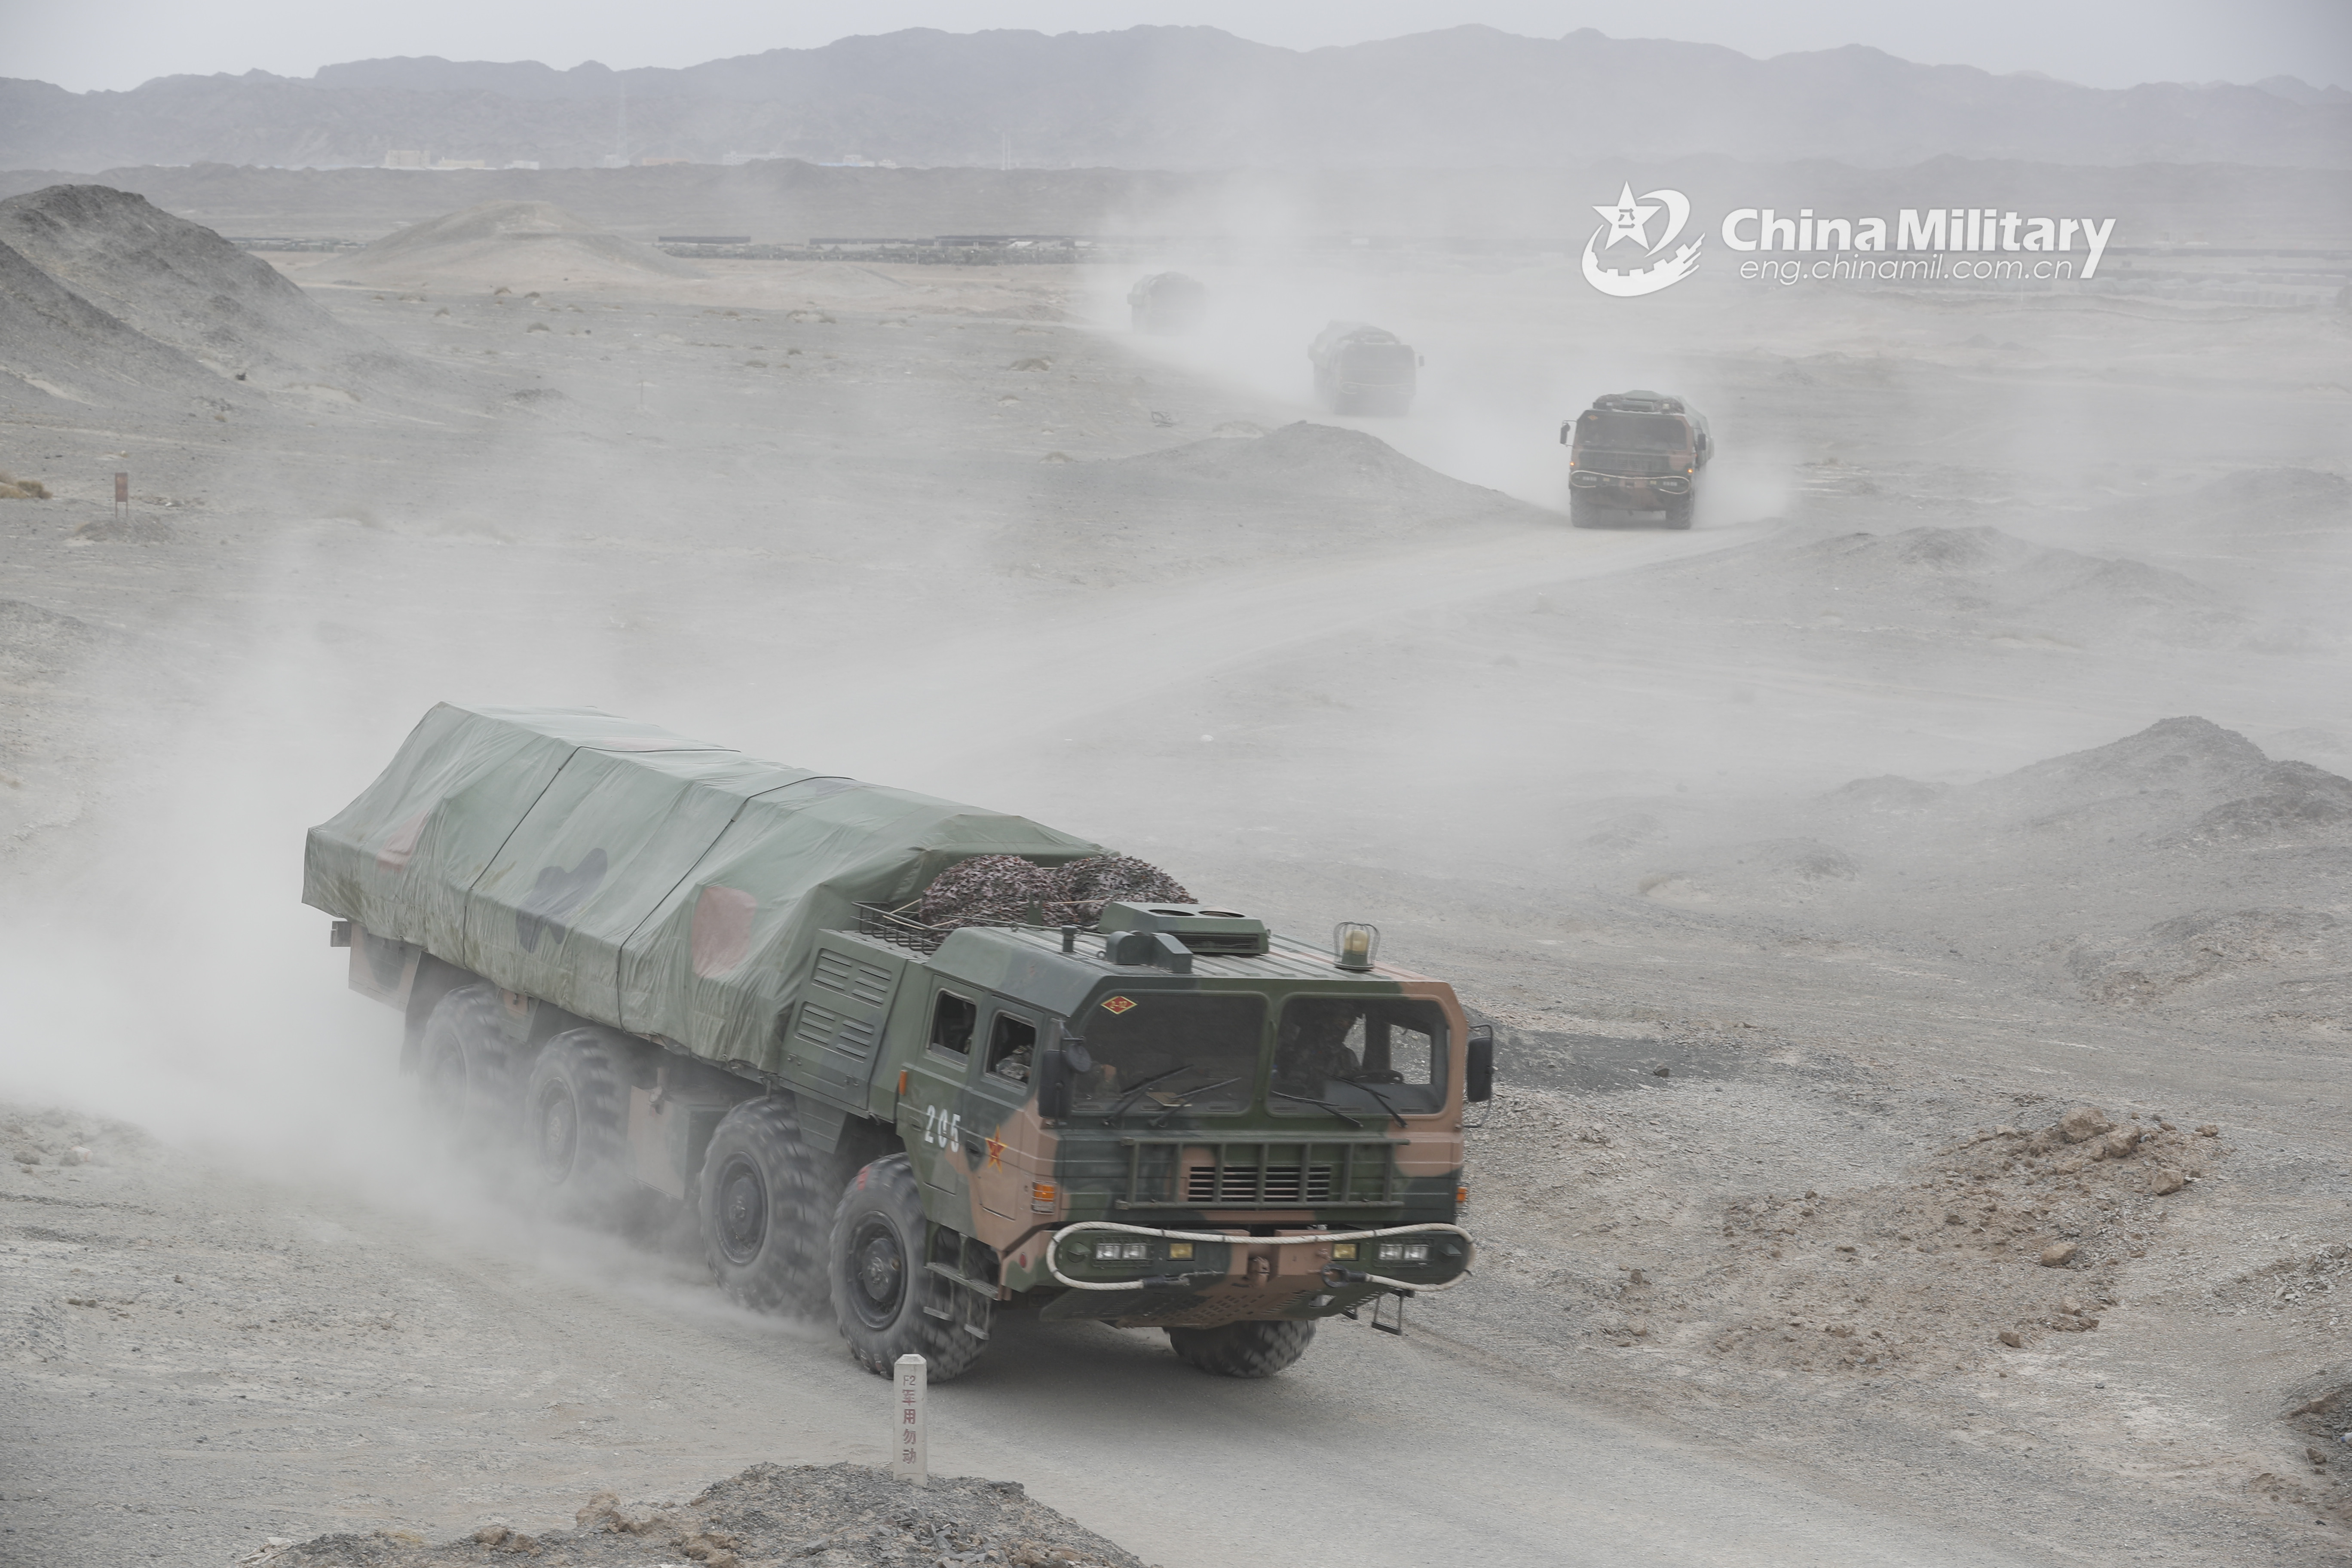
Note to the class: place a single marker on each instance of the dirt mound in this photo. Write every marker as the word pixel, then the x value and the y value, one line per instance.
pixel 2158 780
pixel 847 1514
pixel 2002 1239
pixel 1306 457
pixel 2304 804
pixel 2208 946
pixel 513 245
pixel 2250 505
pixel 185 287
pixel 56 344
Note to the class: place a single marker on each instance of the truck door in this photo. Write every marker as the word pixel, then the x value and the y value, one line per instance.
pixel 930 1117
pixel 1002 1165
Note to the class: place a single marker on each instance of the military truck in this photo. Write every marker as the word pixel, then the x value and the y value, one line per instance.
pixel 648 969
pixel 1362 369
pixel 1635 452
pixel 1168 304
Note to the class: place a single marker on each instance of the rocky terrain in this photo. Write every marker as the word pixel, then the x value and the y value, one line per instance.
pixel 1880 891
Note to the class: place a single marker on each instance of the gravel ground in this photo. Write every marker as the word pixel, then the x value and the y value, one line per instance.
pixel 829 1514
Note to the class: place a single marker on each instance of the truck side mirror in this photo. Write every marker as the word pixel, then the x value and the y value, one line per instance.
pixel 1478 1071
pixel 1564 430
pixel 1058 1074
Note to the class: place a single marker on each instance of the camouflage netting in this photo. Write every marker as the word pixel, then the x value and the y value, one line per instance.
pixel 991 888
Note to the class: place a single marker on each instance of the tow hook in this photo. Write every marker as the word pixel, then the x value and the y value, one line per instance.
pixel 1336 1276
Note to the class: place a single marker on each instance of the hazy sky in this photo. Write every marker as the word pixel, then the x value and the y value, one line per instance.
pixel 2107 43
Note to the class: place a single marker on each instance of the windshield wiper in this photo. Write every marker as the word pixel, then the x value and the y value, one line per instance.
pixel 1326 1104
pixel 1161 1120
pixel 1114 1112
pixel 1376 1094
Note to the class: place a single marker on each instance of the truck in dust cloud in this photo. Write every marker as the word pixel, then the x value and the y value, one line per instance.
pixel 1635 452
pixel 1362 369
pixel 904 1063
pixel 1168 304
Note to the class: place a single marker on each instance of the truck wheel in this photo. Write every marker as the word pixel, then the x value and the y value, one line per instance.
pixel 575 1130
pixel 1582 514
pixel 881 1286
pixel 1678 510
pixel 760 1205
pixel 1257 1349
pixel 465 1071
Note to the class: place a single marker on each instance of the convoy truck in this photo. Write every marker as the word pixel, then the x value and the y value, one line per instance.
pixel 1167 303
pixel 1362 369
pixel 1635 452
pixel 654 969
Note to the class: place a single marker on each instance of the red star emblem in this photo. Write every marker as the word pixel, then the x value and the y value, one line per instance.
pixel 996 1151
pixel 1119 1003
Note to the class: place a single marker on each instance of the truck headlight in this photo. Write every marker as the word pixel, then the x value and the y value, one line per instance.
pixel 1343 1252
pixel 1403 1252
pixel 1179 1251
pixel 1121 1251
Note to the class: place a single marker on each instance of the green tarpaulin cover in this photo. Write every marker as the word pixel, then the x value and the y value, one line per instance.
pixel 665 886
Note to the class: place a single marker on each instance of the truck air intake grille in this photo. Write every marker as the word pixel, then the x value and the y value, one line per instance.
pixel 1205 1185
pixel 1179 1172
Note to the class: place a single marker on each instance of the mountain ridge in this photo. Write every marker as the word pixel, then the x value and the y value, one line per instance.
pixel 1175 97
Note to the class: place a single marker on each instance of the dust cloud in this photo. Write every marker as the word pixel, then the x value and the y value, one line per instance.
pixel 1978 753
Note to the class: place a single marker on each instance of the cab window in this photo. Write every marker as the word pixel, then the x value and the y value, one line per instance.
pixel 1011 1048
pixel 1380 1055
pixel 952 1020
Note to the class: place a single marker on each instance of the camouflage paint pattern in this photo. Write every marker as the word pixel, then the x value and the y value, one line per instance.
pixel 671 891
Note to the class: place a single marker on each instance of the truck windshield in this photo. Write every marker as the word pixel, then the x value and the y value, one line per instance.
pixel 1633 432
pixel 1157 1049
pixel 1363 1055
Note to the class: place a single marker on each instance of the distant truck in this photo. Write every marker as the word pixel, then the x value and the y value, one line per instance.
pixel 1635 452
pixel 652 970
pixel 1167 303
pixel 1362 369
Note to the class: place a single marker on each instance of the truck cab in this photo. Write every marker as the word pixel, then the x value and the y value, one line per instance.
pixel 1635 453
pixel 1181 1119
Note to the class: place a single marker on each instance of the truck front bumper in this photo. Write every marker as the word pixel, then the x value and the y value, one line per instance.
pixel 1229 1278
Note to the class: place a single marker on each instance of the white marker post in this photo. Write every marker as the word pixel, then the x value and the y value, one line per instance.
pixel 909 1453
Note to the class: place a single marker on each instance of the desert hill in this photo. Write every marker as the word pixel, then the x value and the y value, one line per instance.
pixel 55 344
pixel 515 245
pixel 1179 98
pixel 183 286
pixel 111 301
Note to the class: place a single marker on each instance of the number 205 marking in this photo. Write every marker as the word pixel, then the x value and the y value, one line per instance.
pixel 941 1128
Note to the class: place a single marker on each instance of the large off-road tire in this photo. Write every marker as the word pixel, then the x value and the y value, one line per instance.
pixel 1679 509
pixel 575 1130
pixel 761 1208
pixel 1257 1348
pixel 883 1294
pixel 1582 513
pixel 466 1072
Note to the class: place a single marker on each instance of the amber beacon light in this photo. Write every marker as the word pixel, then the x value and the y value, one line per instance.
pixel 1355 943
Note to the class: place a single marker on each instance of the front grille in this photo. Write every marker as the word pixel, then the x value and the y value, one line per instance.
pixel 1271 1174
pixel 1635 465
pixel 1206 1184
